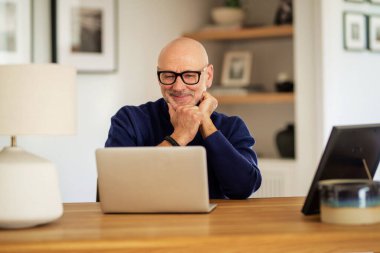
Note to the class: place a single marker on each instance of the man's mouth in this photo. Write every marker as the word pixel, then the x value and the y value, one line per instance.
pixel 180 95
pixel 181 98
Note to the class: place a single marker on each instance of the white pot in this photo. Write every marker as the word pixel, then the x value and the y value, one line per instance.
pixel 227 15
pixel 29 190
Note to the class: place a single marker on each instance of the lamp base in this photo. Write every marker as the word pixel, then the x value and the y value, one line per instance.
pixel 29 190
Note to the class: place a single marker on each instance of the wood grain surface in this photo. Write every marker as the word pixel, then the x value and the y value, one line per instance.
pixel 253 225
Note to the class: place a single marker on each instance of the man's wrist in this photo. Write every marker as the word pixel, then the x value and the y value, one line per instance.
pixel 171 140
pixel 180 139
pixel 207 128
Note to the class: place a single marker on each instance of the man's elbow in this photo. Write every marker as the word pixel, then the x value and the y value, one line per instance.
pixel 239 195
pixel 244 192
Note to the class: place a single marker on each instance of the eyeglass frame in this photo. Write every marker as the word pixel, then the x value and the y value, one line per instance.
pixel 176 74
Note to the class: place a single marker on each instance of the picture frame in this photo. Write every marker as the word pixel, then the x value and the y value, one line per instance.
pixel 15 31
pixel 374 33
pixel 84 34
pixel 236 70
pixel 355 31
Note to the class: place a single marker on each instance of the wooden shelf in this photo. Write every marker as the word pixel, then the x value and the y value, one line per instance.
pixel 256 98
pixel 243 33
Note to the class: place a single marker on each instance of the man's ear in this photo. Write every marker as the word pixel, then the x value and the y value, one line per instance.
pixel 210 75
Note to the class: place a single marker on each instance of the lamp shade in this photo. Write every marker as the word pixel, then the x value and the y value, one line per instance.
pixel 37 99
pixel 34 99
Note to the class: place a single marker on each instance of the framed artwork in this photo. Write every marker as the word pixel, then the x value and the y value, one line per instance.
pixel 84 34
pixel 15 31
pixel 374 33
pixel 236 69
pixel 355 31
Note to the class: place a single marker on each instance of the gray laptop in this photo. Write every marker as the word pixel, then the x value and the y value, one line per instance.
pixel 153 180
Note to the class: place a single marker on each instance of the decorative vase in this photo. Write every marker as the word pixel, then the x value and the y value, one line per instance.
pixel 285 141
pixel 284 13
pixel 283 83
pixel 227 16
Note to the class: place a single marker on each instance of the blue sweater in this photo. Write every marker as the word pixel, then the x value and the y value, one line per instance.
pixel 231 162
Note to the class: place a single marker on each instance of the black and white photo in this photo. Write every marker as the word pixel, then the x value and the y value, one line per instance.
pixel 355 31
pixel 84 34
pixel 15 31
pixel 236 69
pixel 86 30
pixel 374 33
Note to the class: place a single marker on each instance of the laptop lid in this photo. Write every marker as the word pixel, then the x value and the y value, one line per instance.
pixel 153 179
pixel 346 151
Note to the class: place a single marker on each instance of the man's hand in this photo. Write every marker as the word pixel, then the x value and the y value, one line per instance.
pixel 186 121
pixel 207 107
pixel 208 104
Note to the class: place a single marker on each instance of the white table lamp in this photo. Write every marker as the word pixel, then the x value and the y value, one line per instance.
pixel 35 99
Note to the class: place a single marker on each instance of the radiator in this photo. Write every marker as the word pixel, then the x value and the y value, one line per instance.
pixel 277 176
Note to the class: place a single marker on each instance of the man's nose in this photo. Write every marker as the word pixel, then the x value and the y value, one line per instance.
pixel 178 84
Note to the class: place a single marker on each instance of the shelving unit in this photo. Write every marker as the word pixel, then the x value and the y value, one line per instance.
pixel 265 113
pixel 256 98
pixel 265 32
pixel 243 33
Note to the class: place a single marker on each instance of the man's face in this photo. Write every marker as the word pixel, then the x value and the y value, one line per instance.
pixel 179 93
pixel 180 56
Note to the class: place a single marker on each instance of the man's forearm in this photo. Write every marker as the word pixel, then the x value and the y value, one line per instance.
pixel 207 128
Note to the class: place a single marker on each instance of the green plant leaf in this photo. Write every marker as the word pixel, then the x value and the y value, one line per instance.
pixel 232 3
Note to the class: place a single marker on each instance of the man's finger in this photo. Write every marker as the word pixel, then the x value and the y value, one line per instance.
pixel 205 95
pixel 171 110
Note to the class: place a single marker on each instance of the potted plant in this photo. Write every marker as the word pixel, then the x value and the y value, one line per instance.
pixel 229 14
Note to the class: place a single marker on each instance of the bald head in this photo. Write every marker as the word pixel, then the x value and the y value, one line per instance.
pixel 184 53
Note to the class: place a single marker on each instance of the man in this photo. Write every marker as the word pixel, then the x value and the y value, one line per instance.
pixel 186 116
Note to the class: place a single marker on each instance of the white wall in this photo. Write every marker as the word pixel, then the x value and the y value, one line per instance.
pixel 144 27
pixel 334 86
pixel 338 87
pixel 351 83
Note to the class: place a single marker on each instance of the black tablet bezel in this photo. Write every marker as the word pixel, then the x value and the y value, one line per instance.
pixel 345 137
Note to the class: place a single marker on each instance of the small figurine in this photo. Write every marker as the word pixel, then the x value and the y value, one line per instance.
pixel 284 14
pixel 283 83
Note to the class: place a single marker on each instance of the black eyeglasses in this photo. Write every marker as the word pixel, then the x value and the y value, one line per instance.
pixel 188 77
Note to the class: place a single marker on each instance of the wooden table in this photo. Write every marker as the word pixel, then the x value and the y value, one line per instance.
pixel 254 225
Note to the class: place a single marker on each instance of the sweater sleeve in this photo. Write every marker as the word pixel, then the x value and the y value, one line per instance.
pixel 234 162
pixel 121 133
